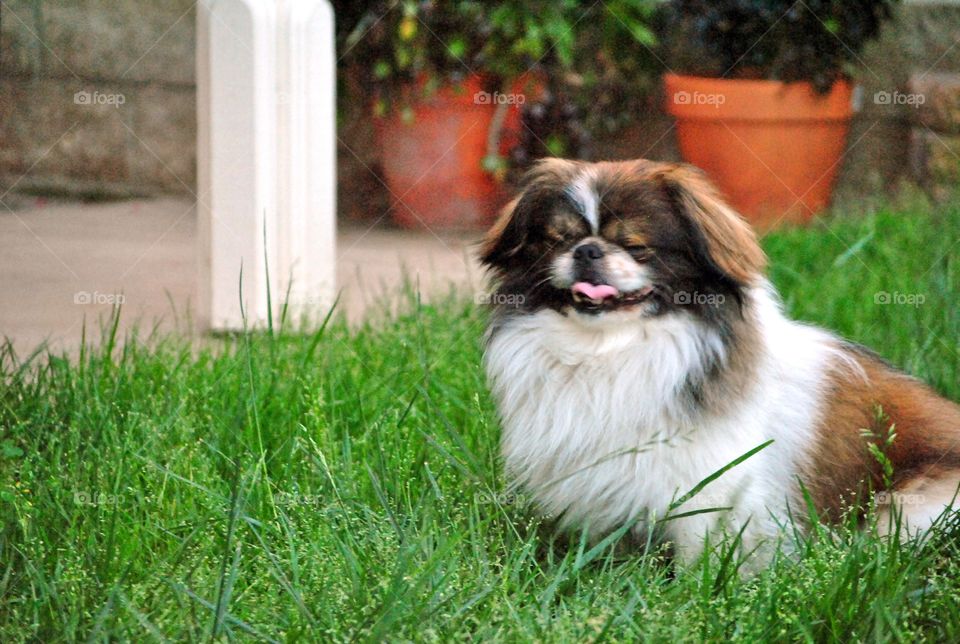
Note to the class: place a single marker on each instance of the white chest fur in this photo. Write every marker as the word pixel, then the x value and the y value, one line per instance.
pixel 597 429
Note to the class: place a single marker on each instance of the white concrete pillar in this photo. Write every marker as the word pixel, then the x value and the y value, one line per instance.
pixel 307 154
pixel 266 158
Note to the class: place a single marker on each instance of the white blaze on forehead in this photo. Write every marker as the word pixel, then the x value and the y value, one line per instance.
pixel 584 193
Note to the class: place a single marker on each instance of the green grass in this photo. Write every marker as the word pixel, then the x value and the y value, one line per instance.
pixel 345 485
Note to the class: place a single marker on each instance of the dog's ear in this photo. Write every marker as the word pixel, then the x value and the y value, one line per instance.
pixel 504 241
pixel 726 242
pixel 503 246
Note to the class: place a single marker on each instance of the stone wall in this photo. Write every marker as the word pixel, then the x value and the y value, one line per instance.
pixel 97 98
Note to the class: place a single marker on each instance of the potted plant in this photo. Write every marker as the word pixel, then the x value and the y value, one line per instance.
pixel 765 99
pixel 602 95
pixel 450 80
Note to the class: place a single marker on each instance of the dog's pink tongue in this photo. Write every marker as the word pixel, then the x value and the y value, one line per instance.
pixel 595 291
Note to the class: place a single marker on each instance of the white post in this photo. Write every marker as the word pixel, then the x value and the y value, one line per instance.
pixel 307 154
pixel 266 157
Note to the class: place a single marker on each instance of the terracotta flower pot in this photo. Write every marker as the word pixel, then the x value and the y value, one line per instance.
pixel 433 162
pixel 773 148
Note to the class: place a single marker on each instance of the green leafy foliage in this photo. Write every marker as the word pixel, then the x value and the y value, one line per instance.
pixel 812 40
pixel 592 64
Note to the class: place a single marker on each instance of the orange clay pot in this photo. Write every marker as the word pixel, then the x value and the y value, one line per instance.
pixel 433 163
pixel 772 148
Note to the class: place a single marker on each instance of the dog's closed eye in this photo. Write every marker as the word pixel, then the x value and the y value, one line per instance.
pixel 639 252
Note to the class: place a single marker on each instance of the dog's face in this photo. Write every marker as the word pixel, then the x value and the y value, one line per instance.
pixel 614 240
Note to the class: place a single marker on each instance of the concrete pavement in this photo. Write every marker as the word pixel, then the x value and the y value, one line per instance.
pixel 64 264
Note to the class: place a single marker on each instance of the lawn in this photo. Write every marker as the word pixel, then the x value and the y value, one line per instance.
pixel 345 485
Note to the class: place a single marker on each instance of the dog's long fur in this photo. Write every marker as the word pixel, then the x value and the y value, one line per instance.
pixel 613 408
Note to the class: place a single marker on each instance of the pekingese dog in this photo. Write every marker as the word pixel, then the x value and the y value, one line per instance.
pixel 636 349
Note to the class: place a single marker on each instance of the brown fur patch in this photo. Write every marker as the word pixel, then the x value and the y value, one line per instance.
pixel 563 226
pixel 926 427
pixel 494 236
pixel 730 240
pixel 626 232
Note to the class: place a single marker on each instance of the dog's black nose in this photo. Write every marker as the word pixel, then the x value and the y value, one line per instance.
pixel 587 253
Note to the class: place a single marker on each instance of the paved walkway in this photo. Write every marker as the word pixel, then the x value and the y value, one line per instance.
pixel 61 265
